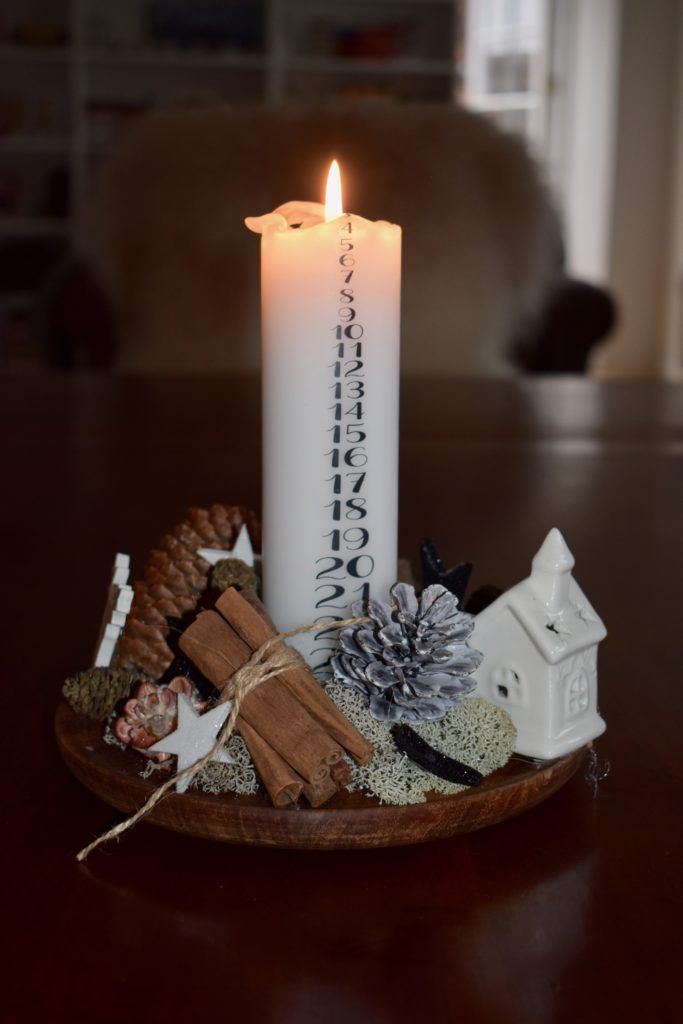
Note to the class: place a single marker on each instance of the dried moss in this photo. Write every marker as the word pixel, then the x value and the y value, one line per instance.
pixel 239 777
pixel 475 732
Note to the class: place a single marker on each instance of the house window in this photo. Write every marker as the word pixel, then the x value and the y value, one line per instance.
pixel 577 677
pixel 547 70
pixel 505 64
pixel 578 693
pixel 507 685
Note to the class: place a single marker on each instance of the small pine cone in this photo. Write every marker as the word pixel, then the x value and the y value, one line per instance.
pixel 233 572
pixel 96 692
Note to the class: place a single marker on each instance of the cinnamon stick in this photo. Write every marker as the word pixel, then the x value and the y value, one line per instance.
pixel 252 626
pixel 270 709
pixel 283 784
pixel 341 773
pixel 322 792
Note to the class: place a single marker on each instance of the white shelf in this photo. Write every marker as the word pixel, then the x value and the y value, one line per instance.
pixel 365 66
pixel 33 227
pixel 35 144
pixel 491 103
pixel 76 73
pixel 14 54
pixel 160 57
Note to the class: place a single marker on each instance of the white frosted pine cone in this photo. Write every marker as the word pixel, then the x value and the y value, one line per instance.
pixel 411 662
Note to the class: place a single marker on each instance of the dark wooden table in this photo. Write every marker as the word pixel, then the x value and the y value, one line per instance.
pixel 567 913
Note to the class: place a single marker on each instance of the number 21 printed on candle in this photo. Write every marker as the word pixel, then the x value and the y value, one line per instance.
pixel 343 570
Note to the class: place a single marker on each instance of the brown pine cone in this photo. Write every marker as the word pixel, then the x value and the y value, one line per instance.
pixel 96 692
pixel 174 579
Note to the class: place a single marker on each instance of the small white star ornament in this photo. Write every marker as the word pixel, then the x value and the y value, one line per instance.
pixel 194 737
pixel 241 549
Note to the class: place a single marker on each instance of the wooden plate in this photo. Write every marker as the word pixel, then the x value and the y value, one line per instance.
pixel 350 821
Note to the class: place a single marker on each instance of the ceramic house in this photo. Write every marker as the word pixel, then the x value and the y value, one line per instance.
pixel 540 644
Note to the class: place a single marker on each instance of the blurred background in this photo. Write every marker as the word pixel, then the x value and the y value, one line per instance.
pixel 531 149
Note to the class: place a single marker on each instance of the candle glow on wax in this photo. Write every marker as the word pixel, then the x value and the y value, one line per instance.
pixel 333 193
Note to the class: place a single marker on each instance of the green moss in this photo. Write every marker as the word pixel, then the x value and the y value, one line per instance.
pixel 475 732
pixel 239 777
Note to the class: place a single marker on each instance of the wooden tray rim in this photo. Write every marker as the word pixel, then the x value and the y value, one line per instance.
pixel 350 821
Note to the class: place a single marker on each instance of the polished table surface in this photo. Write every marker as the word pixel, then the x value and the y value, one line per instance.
pixel 570 912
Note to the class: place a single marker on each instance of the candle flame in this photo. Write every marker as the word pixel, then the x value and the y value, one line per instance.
pixel 333 193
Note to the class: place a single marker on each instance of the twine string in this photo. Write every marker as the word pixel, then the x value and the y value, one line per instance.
pixel 268 660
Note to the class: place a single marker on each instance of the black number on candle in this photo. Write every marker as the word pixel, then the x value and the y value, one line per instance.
pixel 358 482
pixel 335 542
pixel 326 600
pixel 355 508
pixel 349 436
pixel 354 365
pixel 354 434
pixel 326 573
pixel 356 456
pixel 356 537
pixel 351 331
pixel 360 566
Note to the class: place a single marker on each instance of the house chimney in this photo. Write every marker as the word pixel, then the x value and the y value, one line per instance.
pixel 551 571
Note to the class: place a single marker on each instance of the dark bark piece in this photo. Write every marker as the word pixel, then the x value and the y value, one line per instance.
pixel 433 761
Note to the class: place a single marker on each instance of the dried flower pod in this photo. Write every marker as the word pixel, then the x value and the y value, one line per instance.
pixel 152 713
pixel 96 692
pixel 411 662
pixel 233 572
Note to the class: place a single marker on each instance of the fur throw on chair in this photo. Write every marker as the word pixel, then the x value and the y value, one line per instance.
pixel 481 243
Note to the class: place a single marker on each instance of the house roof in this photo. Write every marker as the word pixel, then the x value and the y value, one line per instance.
pixel 556 634
pixel 550 605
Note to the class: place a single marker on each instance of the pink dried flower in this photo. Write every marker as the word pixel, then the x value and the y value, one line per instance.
pixel 152 712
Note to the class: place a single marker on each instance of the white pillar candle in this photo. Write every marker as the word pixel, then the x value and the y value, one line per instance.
pixel 330 292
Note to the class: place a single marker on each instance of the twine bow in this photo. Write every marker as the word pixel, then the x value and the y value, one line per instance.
pixel 270 659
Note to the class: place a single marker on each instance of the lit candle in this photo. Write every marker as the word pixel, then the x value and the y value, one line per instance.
pixel 330 296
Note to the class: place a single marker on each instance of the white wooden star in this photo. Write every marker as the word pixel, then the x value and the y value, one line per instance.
pixel 194 737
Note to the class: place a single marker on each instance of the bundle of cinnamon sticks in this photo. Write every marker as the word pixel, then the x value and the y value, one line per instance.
pixel 296 735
